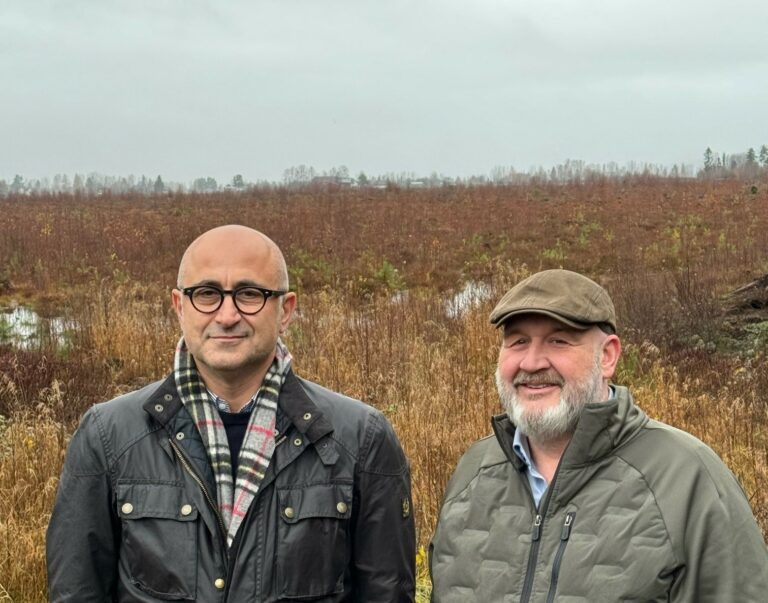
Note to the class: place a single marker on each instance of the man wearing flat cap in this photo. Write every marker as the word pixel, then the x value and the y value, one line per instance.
pixel 578 495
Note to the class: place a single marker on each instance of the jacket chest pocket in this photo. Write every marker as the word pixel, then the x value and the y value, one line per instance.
pixel 158 552
pixel 313 540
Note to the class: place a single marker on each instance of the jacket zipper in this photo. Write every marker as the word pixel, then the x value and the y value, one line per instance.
pixel 533 555
pixel 234 550
pixel 532 558
pixel 565 534
pixel 193 473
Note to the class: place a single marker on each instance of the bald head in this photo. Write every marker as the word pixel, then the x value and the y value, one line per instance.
pixel 215 246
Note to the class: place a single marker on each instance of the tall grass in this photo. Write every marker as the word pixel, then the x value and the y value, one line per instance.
pixel 666 251
pixel 31 453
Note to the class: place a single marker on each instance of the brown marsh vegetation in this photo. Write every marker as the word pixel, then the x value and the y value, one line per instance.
pixel 377 273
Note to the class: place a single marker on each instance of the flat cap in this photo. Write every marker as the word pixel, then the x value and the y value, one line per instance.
pixel 566 296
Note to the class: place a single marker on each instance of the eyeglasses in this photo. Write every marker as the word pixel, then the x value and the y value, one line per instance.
pixel 248 300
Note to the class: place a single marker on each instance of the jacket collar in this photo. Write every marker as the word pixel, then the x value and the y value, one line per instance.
pixel 294 403
pixel 505 435
pixel 163 404
pixel 603 427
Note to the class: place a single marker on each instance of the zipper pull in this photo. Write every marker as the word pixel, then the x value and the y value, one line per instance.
pixel 536 528
pixel 566 533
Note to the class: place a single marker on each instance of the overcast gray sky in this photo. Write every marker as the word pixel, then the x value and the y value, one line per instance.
pixel 188 88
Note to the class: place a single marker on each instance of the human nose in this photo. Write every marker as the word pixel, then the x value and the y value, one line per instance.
pixel 535 358
pixel 228 314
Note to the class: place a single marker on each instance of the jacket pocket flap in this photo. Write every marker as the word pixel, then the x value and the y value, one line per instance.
pixel 319 500
pixel 161 500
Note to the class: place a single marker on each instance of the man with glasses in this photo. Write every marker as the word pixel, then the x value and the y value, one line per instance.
pixel 233 479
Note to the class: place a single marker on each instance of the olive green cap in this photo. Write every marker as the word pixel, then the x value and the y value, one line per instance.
pixel 566 296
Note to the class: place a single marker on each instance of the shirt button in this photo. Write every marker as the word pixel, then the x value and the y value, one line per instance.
pixel 297 442
pixel 180 436
pixel 159 407
pixel 219 583
pixel 167 397
pixel 341 507
pixel 307 416
pixel 127 508
pixel 186 510
pixel 289 512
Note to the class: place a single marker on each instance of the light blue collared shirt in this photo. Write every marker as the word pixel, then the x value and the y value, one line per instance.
pixel 535 479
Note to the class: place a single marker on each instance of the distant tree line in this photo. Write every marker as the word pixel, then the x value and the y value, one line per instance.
pixel 745 165
pixel 716 165
pixel 95 184
pixel 576 170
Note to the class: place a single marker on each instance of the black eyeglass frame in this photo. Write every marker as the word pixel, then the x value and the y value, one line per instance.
pixel 267 293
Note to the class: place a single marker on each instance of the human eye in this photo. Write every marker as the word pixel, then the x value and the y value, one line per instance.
pixel 207 294
pixel 249 294
pixel 513 341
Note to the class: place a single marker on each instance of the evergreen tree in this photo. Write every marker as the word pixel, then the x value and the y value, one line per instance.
pixel 709 160
pixel 17 185
pixel 764 155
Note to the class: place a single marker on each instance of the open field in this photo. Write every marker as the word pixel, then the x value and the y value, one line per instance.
pixel 378 273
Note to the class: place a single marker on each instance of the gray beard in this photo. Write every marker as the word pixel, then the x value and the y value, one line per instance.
pixel 554 422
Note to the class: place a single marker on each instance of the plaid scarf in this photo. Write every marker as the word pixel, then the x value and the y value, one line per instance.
pixel 258 445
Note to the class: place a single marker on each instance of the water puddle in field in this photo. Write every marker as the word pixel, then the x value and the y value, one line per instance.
pixel 473 293
pixel 24 328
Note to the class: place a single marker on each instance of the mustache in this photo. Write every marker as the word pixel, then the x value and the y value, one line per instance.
pixel 538 378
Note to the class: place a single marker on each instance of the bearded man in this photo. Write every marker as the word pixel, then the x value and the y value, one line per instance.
pixel 233 479
pixel 578 495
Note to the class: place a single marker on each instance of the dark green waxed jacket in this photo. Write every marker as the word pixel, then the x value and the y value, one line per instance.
pixel 135 518
pixel 636 511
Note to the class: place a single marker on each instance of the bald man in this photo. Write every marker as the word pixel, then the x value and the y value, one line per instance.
pixel 233 479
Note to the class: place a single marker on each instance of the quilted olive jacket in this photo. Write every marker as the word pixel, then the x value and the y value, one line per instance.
pixel 135 517
pixel 637 511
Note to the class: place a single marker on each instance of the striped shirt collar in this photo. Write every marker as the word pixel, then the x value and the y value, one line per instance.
pixel 224 406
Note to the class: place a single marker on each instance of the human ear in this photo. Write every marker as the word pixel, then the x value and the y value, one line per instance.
pixel 287 307
pixel 176 302
pixel 611 350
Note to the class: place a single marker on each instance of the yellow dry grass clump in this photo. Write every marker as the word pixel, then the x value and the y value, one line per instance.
pixel 31 454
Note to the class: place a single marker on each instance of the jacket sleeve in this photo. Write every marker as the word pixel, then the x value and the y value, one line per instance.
pixel 384 536
pixel 725 557
pixel 81 543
